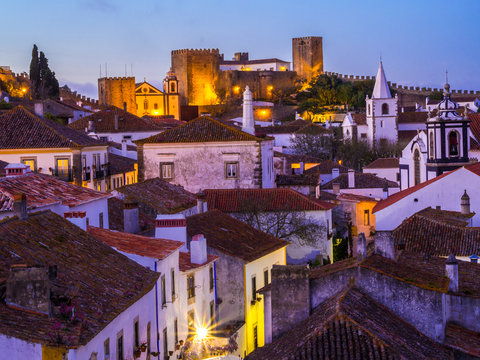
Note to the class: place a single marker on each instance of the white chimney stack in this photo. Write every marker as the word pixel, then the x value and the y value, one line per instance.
pixel 302 168
pixel 451 268
pixel 124 148
pixel 201 203
pixel 172 227
pixel 198 249
pixel 12 170
pixel 351 178
pixel 335 173
pixel 248 124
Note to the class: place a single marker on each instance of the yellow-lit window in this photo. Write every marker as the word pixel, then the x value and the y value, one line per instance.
pixel 31 163
pixel 366 217
pixel 62 168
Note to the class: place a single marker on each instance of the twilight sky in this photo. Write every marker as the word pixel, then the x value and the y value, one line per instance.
pixel 417 39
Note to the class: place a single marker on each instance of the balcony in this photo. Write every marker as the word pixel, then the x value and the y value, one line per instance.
pixel 63 174
pixel 86 176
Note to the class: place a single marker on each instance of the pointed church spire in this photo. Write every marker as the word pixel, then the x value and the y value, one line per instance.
pixel 381 89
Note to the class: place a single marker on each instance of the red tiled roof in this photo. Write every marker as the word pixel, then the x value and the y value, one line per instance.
pixel 383 163
pixel 475 125
pixel 233 237
pixel 405 136
pixel 351 325
pixel 120 164
pixel 116 221
pixel 43 190
pixel 464 340
pixel 438 233
pixel 362 181
pixel 313 129
pixel 392 199
pixel 136 244
pixel 160 195
pixel 280 199
pixel 105 122
pixel 20 129
pixel 277 129
pixel 186 264
pixel 297 158
pixel 360 118
pixel 326 167
pixel 355 197
pixel 202 129
pixel 99 281
pixel 412 117
pixel 297 180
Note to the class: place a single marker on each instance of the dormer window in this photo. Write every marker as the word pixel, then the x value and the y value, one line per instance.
pixel 453 143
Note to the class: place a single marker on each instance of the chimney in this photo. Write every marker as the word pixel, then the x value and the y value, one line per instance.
pixel 91 126
pixel 173 227
pixel 78 218
pixel 39 109
pixel 451 268
pixel 20 206
pixel 28 288
pixel 361 246
pixel 301 170
pixel 201 204
pixel 465 203
pixel 198 249
pixel 248 124
pixel 130 216
pixel 385 190
pixel 12 170
pixel 124 148
pixel 335 173
pixel 115 121
pixel 385 244
pixel 336 188
pixel 351 178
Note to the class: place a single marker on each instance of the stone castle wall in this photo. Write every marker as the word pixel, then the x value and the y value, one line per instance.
pixel 117 91
pixel 307 56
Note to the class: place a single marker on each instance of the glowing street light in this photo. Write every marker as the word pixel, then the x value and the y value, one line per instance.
pixel 202 334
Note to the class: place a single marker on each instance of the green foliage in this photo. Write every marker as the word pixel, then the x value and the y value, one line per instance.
pixel 326 91
pixel 340 249
pixel 44 83
pixel 5 106
pixel 436 95
pixel 357 154
pixel 318 145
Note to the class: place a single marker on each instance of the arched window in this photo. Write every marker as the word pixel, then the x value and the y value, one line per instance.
pixel 369 109
pixel 155 106
pixel 416 166
pixel 431 145
pixel 145 104
pixel 453 143
pixel 348 132
pixel 172 87
pixel 385 109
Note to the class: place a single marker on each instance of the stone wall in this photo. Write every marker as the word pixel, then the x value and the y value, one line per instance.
pixel 307 55
pixel 118 91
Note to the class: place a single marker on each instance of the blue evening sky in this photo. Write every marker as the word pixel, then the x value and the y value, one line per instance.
pixel 417 40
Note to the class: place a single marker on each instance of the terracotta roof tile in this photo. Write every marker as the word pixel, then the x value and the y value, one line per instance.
pixel 352 325
pixel 355 197
pixel 280 199
pixel 325 167
pixel 383 163
pixel 277 129
pixel 100 281
pixel 405 136
pixel 186 264
pixel 20 129
pixel 297 158
pixel 120 164
pixel 136 244
pixel 464 340
pixel 475 125
pixel 202 129
pixel 43 190
pixel 115 217
pixel 105 122
pixel 233 237
pixel 360 118
pixel 294 179
pixel 160 195
pixel 412 117
pixel 362 181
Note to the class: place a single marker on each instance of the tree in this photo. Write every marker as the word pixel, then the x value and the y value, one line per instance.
pixel 357 154
pixel 317 144
pixel 44 83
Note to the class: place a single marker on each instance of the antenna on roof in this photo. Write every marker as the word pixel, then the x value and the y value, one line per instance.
pixel 131 69
pixel 100 70
pixel 125 70
pixel 106 72
pixel 446 76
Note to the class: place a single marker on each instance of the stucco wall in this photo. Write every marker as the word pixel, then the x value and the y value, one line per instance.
pixel 13 348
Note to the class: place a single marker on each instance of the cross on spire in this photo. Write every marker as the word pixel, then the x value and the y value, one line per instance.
pixel 446 76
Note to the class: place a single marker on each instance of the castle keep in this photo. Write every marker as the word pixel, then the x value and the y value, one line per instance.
pixel 307 55
pixel 118 91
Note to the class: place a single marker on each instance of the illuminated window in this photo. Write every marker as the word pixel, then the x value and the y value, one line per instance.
pixel 366 217
pixel 31 162
pixel 62 168
pixel 166 171
pixel 231 170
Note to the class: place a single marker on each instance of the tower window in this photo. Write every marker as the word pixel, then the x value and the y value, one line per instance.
pixel 369 109
pixel 172 87
pixel 416 166
pixel 431 145
pixel 453 143
pixel 385 109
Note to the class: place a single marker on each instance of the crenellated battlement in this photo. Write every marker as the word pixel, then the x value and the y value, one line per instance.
pixel 306 38
pixel 196 52
pixel 404 88
pixel 125 78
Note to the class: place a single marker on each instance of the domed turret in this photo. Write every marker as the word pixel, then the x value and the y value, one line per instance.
pixel 465 203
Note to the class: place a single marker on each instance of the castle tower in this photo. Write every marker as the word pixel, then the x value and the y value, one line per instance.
pixel 172 98
pixel 307 55
pixel 448 137
pixel 248 125
pixel 381 112
pixel 119 92
pixel 197 72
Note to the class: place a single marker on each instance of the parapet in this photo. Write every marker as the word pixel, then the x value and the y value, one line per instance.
pixel 195 51
pixel 307 38
pixel 118 78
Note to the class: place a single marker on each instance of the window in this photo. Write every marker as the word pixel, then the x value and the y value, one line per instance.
pixel 32 162
pixel 416 166
pixel 255 337
pixel 164 292
pixel 173 284
pixel 191 323
pixel 212 312
pixel 453 143
pixel 363 135
pixel 385 109
pixel 62 168
pixel 106 349
pixel 136 334
pixel 120 346
pixel 382 123
pixel 231 170
pixel 100 220
pixel 366 217
pixel 254 288
pixel 172 87
pixel 166 171
pixel 149 342
pixel 265 277
pixel 369 109
pixel 175 330
pixel 191 286
pixel 431 146
pixel 165 344
pixel 145 104
pixel 211 278
pixel 155 106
